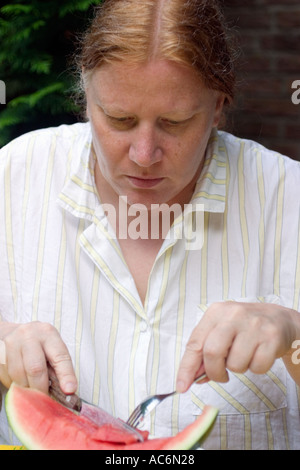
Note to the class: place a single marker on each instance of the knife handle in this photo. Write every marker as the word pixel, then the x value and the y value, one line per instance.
pixel 70 401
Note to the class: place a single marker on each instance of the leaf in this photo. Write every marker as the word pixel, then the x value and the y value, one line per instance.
pixel 37 41
pixel 32 99
pixel 9 118
pixel 71 7
pixel 16 9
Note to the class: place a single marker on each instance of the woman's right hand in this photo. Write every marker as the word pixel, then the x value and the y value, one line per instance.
pixel 29 348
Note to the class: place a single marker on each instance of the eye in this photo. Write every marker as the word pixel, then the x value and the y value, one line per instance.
pixel 169 122
pixel 125 122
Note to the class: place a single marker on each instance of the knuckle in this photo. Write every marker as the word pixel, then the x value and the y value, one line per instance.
pixel 210 351
pixel 215 309
pixel 46 328
pixel 27 330
pixel 193 346
pixel 60 358
pixel 35 369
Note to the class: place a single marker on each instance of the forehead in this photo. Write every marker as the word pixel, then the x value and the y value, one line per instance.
pixel 164 82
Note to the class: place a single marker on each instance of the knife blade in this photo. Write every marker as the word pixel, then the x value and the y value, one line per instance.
pixel 88 410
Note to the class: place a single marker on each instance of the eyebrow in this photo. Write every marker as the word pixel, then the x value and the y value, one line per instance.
pixel 178 113
pixel 197 108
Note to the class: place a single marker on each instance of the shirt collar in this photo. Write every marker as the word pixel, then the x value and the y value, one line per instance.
pixel 210 189
pixel 79 194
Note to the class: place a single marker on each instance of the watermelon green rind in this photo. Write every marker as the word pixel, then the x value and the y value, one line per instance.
pixel 40 423
pixel 195 433
pixel 19 431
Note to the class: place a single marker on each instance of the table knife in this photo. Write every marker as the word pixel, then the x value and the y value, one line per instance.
pixel 90 411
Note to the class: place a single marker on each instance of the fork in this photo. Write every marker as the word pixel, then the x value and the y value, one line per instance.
pixel 148 405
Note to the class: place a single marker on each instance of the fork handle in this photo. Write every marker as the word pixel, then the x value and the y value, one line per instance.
pixel 70 401
pixel 200 379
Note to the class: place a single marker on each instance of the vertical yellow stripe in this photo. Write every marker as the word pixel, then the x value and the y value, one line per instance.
pixel 156 326
pixel 279 217
pixel 61 262
pixel 79 318
pixel 179 333
pixel 269 432
pixel 204 256
pixel 60 276
pixel 243 220
pixel 27 181
pixel 261 191
pixel 111 348
pixel 135 341
pixel 225 258
pixel 157 317
pixel 9 236
pixel 247 432
pixel 223 432
pixel 285 428
pixel 42 234
pixel 94 301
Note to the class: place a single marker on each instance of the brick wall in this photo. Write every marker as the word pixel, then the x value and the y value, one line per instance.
pixel 268 32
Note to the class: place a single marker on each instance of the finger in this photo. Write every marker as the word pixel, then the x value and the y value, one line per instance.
pixel 14 362
pixel 59 358
pixel 241 352
pixel 215 351
pixel 4 376
pixel 191 363
pixel 263 358
pixel 35 366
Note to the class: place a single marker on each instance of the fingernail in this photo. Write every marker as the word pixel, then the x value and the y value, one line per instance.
pixel 70 387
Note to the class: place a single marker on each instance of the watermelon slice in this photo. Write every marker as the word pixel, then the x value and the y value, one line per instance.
pixel 41 423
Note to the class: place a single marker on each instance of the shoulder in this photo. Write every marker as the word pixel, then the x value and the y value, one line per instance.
pixel 58 140
pixel 42 157
pixel 254 160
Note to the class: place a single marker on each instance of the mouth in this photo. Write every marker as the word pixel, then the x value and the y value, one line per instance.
pixel 146 182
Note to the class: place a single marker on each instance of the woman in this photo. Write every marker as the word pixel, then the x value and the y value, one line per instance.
pixel 94 284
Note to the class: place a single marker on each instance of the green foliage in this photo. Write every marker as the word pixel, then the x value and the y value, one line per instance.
pixel 38 38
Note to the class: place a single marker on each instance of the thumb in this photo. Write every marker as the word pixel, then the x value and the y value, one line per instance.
pixel 190 368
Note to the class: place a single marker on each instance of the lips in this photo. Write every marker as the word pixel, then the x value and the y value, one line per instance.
pixel 146 182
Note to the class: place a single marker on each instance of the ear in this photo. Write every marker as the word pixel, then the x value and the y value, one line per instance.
pixel 219 109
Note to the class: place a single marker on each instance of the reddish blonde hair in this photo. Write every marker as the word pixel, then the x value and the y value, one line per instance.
pixel 188 32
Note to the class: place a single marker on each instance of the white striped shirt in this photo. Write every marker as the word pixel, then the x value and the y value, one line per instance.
pixel 59 264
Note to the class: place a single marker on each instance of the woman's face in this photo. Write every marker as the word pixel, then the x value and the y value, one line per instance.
pixel 151 124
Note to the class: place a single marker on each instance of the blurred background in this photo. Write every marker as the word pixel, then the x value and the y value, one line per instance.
pixel 39 37
pixel 268 32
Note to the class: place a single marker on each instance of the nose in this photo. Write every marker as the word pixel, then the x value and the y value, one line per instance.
pixel 144 148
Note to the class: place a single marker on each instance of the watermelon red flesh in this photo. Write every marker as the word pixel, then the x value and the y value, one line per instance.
pixel 41 423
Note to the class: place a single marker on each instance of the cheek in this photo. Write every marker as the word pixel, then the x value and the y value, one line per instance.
pixel 109 148
pixel 191 155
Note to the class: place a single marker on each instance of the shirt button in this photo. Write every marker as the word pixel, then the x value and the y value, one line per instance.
pixel 143 326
